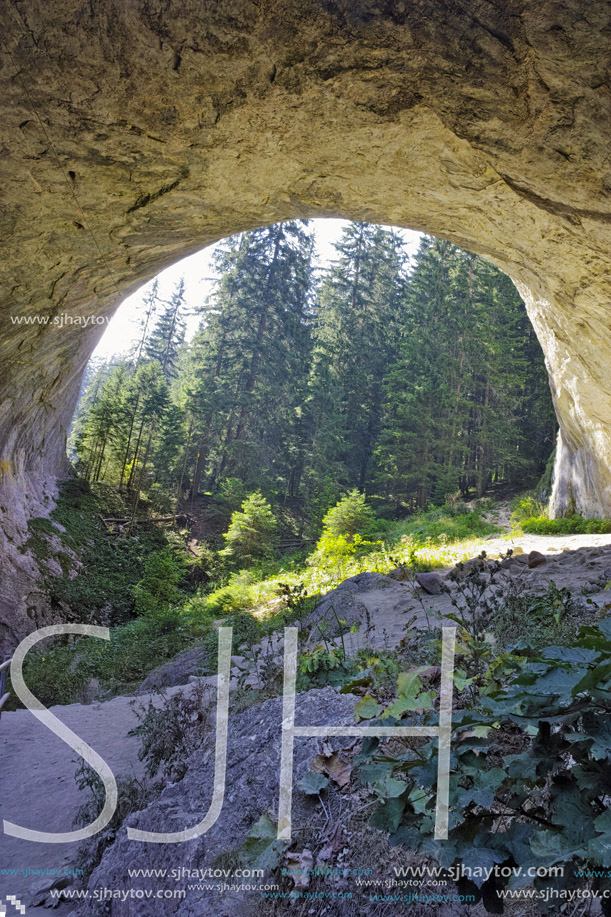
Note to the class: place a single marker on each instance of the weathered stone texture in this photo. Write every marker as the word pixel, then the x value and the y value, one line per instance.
pixel 135 132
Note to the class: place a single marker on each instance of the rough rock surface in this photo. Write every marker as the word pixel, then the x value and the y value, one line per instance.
pixel 379 606
pixel 253 766
pixel 177 671
pixel 136 133
pixel 23 606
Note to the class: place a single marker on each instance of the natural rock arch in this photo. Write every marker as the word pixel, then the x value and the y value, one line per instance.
pixel 137 131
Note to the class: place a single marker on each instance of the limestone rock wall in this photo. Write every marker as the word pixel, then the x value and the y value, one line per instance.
pixel 134 133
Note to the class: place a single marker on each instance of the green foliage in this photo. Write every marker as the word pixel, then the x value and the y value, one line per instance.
pixel 251 533
pixel 417 385
pixel 345 526
pixel 320 659
pixel 171 733
pixel 60 673
pixel 524 507
pixel 333 550
pixel 543 489
pixel 566 525
pixel 349 517
pixel 232 493
pixel 262 849
pixel 530 763
pixel 466 400
pixel 539 619
pixel 112 565
pixel 233 597
pixel 446 524
pixel 132 796
pixel 158 588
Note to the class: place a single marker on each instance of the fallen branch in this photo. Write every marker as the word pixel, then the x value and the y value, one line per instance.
pixel 180 518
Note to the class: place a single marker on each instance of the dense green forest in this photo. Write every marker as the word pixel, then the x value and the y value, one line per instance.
pixel 409 379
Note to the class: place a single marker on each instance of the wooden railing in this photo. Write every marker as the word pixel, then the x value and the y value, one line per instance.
pixel 4 695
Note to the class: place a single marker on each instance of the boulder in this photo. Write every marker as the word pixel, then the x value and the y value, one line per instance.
pixel 252 785
pixel 536 559
pixel 432 583
pixel 346 603
pixel 177 671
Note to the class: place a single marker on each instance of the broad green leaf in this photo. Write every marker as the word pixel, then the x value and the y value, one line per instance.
pixel 388 815
pixel 603 822
pixel 559 682
pixel 409 684
pixel 262 847
pixel 461 683
pixel 389 787
pixel 600 849
pixel 601 736
pixel 312 783
pixel 419 799
pixel 550 846
pixel 367 708
pixel 369 773
pixel 572 654
pixel 424 701
pixel 479 859
pixel 593 679
pixel 443 851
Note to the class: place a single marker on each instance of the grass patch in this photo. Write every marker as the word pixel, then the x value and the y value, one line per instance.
pixel 61 672
pixel 443 526
pixel 566 525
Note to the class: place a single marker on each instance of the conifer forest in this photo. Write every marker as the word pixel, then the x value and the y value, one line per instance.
pixel 409 379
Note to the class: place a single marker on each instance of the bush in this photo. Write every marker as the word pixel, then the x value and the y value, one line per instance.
pixel 251 535
pixel 566 525
pixel 132 796
pixel 158 588
pixel 351 516
pixel 530 773
pixel 112 565
pixel 170 734
pixel 525 507
pixel 334 549
pixel 447 524
pixel 233 597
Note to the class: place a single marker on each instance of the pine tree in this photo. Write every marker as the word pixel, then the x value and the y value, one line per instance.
pixel 455 400
pixel 357 327
pixel 250 356
pixel 168 333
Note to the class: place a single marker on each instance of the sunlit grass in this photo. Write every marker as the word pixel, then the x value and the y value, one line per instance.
pixel 429 541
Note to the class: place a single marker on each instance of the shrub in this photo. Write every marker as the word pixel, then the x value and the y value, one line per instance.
pixel 351 516
pixel 524 507
pixel 170 734
pixel 452 523
pixel 251 535
pixel 232 493
pixel 132 796
pixel 530 774
pixel 233 597
pixel 112 565
pixel 158 588
pixel 566 525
